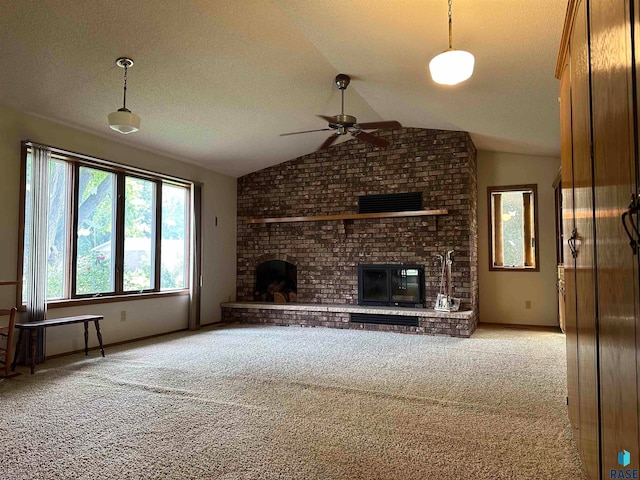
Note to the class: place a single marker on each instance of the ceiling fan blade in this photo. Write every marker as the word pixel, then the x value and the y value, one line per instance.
pixel 306 131
pixel 372 139
pixel 389 125
pixel 329 141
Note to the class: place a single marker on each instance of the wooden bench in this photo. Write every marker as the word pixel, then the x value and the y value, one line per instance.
pixel 31 327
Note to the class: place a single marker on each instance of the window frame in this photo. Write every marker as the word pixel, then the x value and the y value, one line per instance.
pixel 491 227
pixel 75 204
pixel 74 163
pixel 189 252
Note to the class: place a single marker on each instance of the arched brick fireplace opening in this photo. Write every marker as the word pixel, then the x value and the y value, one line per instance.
pixel 276 281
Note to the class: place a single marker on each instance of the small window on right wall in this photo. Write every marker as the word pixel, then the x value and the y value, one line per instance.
pixel 513 228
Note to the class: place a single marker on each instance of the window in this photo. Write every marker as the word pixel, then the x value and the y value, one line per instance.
pixel 139 232
pixel 95 235
pixel 513 228
pixel 173 261
pixel 57 232
pixel 111 231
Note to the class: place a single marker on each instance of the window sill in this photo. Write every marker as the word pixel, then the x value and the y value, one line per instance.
pixel 514 269
pixel 75 302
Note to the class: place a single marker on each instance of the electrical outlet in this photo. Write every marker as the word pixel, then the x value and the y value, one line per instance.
pixel 123 315
pixel 527 304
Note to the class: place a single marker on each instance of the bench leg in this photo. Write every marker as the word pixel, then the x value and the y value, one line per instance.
pixel 17 352
pixel 99 333
pixel 33 341
pixel 86 338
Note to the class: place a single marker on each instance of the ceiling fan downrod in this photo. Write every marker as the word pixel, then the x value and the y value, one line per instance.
pixel 343 121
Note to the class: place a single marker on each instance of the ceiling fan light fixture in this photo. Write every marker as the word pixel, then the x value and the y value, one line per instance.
pixel 451 66
pixel 123 120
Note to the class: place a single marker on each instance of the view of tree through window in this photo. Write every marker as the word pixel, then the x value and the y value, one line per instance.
pixel 57 227
pixel 95 235
pixel 173 258
pixel 28 209
pixel 139 222
pixel 513 227
pixel 114 244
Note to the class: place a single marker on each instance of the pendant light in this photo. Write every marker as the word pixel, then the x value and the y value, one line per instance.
pixel 123 120
pixel 451 66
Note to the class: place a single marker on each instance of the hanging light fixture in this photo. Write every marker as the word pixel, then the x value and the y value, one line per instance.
pixel 123 120
pixel 451 66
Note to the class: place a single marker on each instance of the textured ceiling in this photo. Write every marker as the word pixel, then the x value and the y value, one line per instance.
pixel 216 82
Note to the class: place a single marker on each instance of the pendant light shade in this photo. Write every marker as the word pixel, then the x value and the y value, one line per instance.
pixel 451 66
pixel 123 120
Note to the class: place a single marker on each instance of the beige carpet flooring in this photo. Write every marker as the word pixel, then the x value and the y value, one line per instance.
pixel 262 402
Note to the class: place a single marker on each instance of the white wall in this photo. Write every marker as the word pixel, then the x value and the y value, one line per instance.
pixel 144 317
pixel 503 294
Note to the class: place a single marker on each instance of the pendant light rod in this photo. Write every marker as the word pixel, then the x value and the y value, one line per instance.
pixel 124 62
pixel 450 31
pixel 124 95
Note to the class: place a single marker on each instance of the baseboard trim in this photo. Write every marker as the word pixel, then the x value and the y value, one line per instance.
pixel 543 328
pixel 138 339
pixel 115 344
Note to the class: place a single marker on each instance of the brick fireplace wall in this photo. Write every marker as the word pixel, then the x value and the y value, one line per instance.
pixel 440 164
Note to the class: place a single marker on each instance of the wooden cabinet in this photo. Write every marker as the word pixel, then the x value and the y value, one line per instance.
pixel 599 176
pixel 577 183
pixel 614 177
pixel 568 227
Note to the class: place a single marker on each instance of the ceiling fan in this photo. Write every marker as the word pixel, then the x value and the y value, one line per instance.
pixel 343 124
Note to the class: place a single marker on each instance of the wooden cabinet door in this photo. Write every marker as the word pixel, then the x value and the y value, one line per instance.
pixel 636 263
pixel 568 224
pixel 614 179
pixel 586 323
pixel 636 179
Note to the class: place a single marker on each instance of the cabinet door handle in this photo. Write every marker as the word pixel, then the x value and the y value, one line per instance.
pixel 572 243
pixel 634 206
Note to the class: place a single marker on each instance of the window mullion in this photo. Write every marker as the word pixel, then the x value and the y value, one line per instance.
pixel 157 246
pixel 71 220
pixel 73 237
pixel 120 232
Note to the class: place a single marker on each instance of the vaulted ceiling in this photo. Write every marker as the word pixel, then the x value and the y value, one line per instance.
pixel 217 81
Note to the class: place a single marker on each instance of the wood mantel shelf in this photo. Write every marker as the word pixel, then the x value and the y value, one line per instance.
pixel 349 216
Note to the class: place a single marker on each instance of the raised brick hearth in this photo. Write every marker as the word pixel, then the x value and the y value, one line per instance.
pixel 455 324
pixel 440 164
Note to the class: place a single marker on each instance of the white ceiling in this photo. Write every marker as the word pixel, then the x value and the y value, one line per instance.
pixel 217 81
